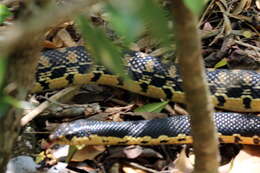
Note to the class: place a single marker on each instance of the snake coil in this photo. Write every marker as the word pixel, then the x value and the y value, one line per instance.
pixel 233 90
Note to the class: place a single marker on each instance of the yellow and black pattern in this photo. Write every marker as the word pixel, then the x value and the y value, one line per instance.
pixel 232 128
pixel 233 90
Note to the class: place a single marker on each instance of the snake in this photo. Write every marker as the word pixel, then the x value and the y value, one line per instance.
pixel 235 91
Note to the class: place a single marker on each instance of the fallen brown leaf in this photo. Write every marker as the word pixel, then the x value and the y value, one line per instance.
pixel 128 169
pixel 65 37
pixel 135 151
pixel 182 163
pixel 247 160
pixel 88 153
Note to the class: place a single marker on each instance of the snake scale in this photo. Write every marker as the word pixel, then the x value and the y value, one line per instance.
pixel 232 90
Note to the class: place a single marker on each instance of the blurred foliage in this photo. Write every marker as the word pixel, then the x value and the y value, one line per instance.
pixel 130 19
pixel 125 21
pixel 5 100
pixel 4 13
pixel 3 64
pixel 104 51
pixel 3 105
pixel 195 6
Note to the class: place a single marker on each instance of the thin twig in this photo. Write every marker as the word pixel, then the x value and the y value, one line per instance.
pixel 209 7
pixel 39 109
pixel 227 23
pixel 145 168
pixel 248 45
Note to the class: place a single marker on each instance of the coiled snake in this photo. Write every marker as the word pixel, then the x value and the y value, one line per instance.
pixel 232 90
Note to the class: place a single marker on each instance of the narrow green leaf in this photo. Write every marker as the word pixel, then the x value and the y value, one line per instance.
pixel 102 49
pixel 195 6
pixel 4 13
pixel 17 103
pixel 152 107
pixel 221 63
pixel 11 101
pixel 7 101
pixel 3 63
pixel 3 107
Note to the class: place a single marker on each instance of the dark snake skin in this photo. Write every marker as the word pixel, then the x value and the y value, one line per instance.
pixel 227 124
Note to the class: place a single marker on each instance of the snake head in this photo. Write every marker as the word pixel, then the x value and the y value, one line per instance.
pixel 66 131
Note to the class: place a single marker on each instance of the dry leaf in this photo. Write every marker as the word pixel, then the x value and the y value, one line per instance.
pixel 119 109
pixel 207 27
pixel 247 160
pixel 65 37
pixel 135 151
pixel 257 3
pixel 243 5
pixel 49 44
pixel 57 42
pixel 128 169
pixel 182 163
pixel 180 110
pixel 88 153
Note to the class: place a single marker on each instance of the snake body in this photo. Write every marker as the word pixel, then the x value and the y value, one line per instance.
pixel 233 90
pixel 234 128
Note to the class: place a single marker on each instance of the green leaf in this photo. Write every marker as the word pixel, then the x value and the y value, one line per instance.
pixel 221 63
pixel 4 13
pixel 131 18
pixel 7 101
pixel 156 20
pixel 247 34
pixel 195 6
pixel 124 19
pixel 11 101
pixel 102 49
pixel 17 103
pixel 3 107
pixel 3 63
pixel 152 107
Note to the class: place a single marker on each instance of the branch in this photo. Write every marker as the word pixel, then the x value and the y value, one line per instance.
pixel 21 43
pixel 195 86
